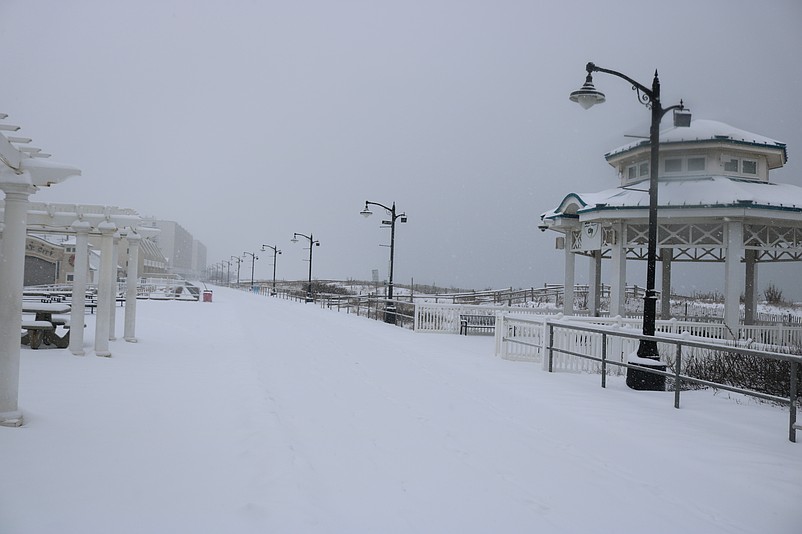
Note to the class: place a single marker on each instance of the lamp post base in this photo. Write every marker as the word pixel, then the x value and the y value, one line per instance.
pixel 643 380
pixel 390 314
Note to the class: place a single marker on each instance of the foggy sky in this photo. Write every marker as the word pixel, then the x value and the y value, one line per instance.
pixel 246 121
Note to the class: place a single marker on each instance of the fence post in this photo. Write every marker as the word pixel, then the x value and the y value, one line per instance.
pixel 551 346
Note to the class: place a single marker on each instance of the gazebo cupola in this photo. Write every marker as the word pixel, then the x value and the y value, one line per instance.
pixel 716 203
pixel 705 148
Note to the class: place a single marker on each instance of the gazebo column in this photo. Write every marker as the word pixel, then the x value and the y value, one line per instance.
pixel 115 255
pixel 618 283
pixel 104 288
pixel 12 278
pixel 79 278
pixel 132 277
pixel 750 291
pixel 732 277
pixel 569 278
pixel 665 294
pixel 594 279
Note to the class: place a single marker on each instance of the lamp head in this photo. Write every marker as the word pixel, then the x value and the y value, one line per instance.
pixel 366 212
pixel 587 96
pixel 294 238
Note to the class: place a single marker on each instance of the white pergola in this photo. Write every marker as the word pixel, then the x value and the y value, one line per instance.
pixel 22 172
pixel 715 204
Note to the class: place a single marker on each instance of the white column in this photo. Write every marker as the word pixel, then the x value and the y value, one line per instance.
pixel 115 261
pixel 594 283
pixel 12 278
pixel 732 275
pixel 132 277
pixel 665 292
pixel 79 277
pixel 569 278
pixel 104 289
pixel 618 282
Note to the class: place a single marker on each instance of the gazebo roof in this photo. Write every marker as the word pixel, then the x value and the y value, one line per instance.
pixel 708 192
pixel 708 131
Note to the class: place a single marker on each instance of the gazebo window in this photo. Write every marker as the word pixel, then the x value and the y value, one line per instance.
pixel 741 166
pixel 696 164
pixel 673 165
pixel 749 166
pixel 731 165
pixel 643 169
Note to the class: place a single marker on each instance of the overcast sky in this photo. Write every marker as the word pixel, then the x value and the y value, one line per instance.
pixel 246 121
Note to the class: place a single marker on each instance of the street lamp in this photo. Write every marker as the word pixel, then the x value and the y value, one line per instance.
pixel 228 271
pixel 316 244
pixel 254 257
pixel 276 251
pixel 587 96
pixel 390 313
pixel 238 260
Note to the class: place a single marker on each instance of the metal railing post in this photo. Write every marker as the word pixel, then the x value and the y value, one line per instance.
pixel 793 427
pixel 677 373
pixel 551 347
pixel 604 360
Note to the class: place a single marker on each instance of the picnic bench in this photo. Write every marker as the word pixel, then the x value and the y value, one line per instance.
pixel 42 329
pixel 476 322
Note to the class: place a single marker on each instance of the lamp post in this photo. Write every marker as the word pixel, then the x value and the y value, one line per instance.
pixel 312 243
pixel 228 271
pixel 254 257
pixel 587 96
pixel 238 260
pixel 276 252
pixel 390 313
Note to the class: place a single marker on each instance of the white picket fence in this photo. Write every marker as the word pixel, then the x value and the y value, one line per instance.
pixel 523 338
pixel 444 318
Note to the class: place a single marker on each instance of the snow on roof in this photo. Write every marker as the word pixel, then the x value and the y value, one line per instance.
pixel 705 130
pixel 710 191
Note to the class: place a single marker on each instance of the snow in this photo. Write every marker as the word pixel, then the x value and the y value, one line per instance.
pixel 252 414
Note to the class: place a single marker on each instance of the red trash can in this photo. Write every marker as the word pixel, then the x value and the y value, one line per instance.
pixel 207 295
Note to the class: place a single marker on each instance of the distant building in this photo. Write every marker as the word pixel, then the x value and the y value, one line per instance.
pixel 185 255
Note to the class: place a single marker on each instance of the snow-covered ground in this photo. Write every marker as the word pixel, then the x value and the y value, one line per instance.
pixel 253 414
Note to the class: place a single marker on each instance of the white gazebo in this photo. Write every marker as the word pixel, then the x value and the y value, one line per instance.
pixel 715 204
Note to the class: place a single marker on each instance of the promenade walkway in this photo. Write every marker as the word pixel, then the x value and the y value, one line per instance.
pixel 252 415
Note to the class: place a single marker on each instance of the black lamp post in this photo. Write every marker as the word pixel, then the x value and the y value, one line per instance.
pixel 276 252
pixel 587 96
pixel 228 271
pixel 312 243
pixel 254 257
pixel 238 260
pixel 390 313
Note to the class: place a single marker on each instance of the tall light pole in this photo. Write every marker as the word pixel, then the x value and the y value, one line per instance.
pixel 238 260
pixel 587 96
pixel 228 271
pixel 254 257
pixel 390 313
pixel 276 252
pixel 312 244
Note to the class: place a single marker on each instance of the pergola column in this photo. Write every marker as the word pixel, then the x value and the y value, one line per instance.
pixel 12 278
pixel 569 278
pixel 79 278
pixel 732 277
pixel 665 292
pixel 104 288
pixel 115 255
pixel 618 282
pixel 132 277
pixel 750 286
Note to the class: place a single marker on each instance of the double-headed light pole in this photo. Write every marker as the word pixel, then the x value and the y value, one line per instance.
pixel 239 261
pixel 390 313
pixel 588 96
pixel 312 244
pixel 276 252
pixel 254 257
